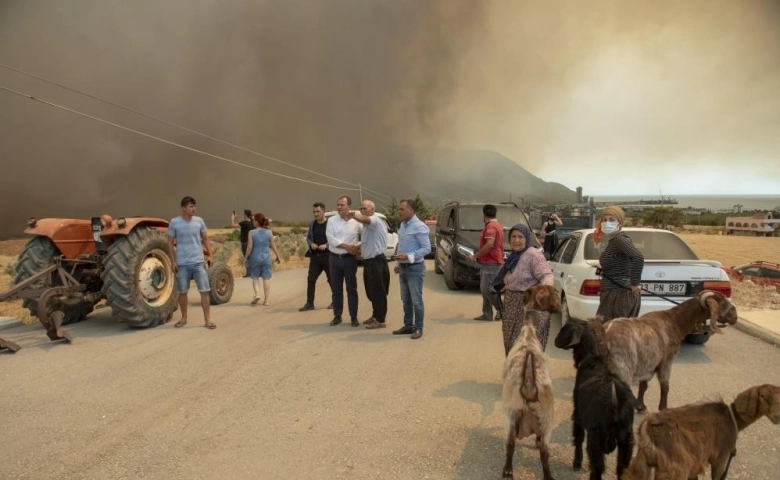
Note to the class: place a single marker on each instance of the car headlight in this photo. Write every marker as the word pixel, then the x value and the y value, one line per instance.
pixel 465 251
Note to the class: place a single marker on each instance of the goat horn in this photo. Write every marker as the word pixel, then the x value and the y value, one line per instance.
pixel 704 297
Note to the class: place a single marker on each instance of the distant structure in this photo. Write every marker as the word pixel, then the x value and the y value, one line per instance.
pixel 738 208
pixel 579 194
pixel 760 224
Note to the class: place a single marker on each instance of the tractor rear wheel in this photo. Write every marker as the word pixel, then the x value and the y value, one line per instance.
pixel 221 283
pixel 38 254
pixel 138 279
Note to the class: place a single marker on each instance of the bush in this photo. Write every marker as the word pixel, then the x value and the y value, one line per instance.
pixel 10 269
pixel 223 252
pixel 234 236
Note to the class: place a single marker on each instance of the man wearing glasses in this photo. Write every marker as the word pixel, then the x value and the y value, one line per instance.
pixel 342 232
pixel 318 255
pixel 376 275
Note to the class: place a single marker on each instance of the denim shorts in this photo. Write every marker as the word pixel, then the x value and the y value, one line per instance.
pixel 188 273
pixel 261 269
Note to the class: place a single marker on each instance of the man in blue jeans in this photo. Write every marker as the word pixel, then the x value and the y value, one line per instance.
pixel 186 238
pixel 413 245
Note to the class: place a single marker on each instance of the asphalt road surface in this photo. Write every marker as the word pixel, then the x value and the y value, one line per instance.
pixel 273 393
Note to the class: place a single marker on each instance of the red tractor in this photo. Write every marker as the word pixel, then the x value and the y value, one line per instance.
pixel 70 265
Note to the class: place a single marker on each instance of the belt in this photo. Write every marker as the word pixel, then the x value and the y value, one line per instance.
pixel 407 265
pixel 341 255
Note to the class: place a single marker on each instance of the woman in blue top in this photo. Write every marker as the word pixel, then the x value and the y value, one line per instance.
pixel 258 257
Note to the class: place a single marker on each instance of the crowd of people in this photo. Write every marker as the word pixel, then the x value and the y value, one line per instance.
pixel 336 243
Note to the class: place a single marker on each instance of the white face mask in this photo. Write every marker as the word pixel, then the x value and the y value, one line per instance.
pixel 610 227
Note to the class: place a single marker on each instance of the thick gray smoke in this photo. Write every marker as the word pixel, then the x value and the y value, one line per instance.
pixel 336 86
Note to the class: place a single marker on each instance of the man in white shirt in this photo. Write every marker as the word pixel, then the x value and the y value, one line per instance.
pixel 376 274
pixel 343 234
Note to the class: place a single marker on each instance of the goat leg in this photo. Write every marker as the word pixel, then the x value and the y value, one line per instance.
pixel 640 398
pixel 625 449
pixel 595 457
pixel 664 394
pixel 720 467
pixel 544 454
pixel 578 434
pixel 510 450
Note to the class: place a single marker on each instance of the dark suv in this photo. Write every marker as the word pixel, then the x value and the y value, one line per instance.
pixel 459 226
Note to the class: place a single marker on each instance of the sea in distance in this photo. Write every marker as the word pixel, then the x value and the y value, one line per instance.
pixel 715 203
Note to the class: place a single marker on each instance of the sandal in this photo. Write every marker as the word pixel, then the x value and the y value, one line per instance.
pixel 180 323
pixel 265 303
pixel 255 300
pixel 210 326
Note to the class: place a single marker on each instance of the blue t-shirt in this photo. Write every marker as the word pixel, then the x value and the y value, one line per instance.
pixel 261 245
pixel 189 245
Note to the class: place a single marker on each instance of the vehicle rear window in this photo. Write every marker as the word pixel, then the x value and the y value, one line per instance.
pixel 653 245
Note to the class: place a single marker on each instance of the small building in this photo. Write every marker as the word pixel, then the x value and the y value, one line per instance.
pixel 760 224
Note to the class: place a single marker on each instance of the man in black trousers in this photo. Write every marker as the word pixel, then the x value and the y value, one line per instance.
pixel 318 255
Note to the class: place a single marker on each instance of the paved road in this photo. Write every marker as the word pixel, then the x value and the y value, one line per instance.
pixel 277 394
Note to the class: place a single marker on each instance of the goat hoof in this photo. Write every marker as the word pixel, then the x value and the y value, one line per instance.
pixel 577 467
pixel 508 475
pixel 641 409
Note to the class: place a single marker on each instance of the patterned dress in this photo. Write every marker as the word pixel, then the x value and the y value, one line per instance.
pixel 532 269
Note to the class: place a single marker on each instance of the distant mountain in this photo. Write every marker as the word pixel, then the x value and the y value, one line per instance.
pixel 468 175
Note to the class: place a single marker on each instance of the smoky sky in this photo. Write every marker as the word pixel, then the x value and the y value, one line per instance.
pixel 571 91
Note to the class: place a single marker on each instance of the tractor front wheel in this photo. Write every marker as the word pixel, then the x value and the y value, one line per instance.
pixel 138 279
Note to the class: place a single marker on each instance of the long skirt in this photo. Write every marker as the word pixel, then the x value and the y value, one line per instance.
pixel 618 303
pixel 512 321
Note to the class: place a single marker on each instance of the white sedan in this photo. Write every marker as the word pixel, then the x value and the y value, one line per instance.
pixel 672 270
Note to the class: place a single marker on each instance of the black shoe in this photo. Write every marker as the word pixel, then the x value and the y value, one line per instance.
pixel 336 320
pixel 483 318
pixel 404 331
pixel 306 307
pixel 417 334
pixel 330 307
pixel 355 322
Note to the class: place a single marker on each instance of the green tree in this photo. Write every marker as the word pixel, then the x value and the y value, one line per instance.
pixel 663 217
pixel 424 211
pixel 391 212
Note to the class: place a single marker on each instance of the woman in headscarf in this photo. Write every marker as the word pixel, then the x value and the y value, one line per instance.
pixel 621 267
pixel 526 267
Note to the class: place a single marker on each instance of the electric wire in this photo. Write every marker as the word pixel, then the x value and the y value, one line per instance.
pixel 218 157
pixel 167 122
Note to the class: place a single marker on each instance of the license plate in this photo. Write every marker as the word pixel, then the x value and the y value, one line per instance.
pixel 663 288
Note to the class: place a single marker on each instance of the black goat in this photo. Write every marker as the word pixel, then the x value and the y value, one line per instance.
pixel 603 404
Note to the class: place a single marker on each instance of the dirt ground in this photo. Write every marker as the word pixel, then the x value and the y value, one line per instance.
pixel 729 250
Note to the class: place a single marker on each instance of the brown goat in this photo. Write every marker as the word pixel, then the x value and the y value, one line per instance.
pixel 528 393
pixel 681 442
pixel 643 347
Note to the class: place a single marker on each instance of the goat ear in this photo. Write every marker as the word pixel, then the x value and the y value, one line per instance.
pixel 714 306
pixel 576 336
pixel 527 296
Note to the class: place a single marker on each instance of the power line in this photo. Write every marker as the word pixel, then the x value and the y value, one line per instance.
pixel 117 105
pixel 46 102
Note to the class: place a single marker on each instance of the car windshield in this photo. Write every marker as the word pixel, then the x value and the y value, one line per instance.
pixel 470 217
pixel 656 245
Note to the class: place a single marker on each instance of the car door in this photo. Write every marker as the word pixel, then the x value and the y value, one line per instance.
pixel 568 274
pixel 445 235
pixel 556 266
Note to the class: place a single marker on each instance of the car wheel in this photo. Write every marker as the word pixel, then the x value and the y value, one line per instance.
pixel 436 267
pixel 564 311
pixel 699 338
pixel 449 275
